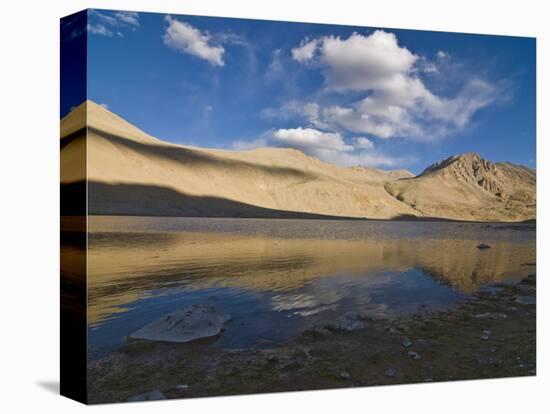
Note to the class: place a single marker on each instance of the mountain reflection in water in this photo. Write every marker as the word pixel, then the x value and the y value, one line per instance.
pixel 277 277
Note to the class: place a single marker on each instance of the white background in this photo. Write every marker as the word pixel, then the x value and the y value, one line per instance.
pixel 29 206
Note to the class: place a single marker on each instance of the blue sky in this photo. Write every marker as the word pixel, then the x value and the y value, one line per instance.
pixel 349 95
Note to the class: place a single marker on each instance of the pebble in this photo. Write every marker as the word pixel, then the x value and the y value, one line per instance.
pixel 483 246
pixel 390 372
pixel 406 342
pixel 147 396
pixel 182 387
pixel 345 375
pixel 491 315
pixel 414 355
pixel 526 300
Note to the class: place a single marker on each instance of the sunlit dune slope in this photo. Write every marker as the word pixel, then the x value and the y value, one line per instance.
pixel 132 173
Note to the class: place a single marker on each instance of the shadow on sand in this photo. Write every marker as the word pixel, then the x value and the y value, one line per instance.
pixel 147 200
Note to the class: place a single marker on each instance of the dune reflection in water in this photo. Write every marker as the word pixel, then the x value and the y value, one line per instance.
pixel 278 276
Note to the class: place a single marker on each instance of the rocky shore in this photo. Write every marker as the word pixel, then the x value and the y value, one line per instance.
pixel 491 334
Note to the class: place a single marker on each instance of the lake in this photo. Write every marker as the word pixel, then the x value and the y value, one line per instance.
pixel 277 278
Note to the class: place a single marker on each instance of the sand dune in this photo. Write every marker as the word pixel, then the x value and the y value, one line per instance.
pixel 132 173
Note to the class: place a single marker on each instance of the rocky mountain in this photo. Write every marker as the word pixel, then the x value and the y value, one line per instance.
pixel 130 172
pixel 469 187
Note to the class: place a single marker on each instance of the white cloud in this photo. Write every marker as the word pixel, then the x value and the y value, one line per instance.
pixel 396 101
pixel 305 51
pixel 99 29
pixel 128 17
pixel 327 146
pixel 442 55
pixel 310 111
pixel 275 69
pixel 185 38
pixel 362 63
pixel 309 139
pixel 104 17
pixel 362 142
pixel 362 158
pixel 104 23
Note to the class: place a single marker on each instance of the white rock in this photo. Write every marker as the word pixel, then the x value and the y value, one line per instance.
pixel 406 342
pixel 184 325
pixel 414 355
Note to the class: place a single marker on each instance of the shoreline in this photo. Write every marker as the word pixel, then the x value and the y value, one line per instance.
pixel 491 334
pixel 412 219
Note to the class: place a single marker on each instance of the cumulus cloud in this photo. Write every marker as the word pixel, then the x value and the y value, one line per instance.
pixel 185 38
pixel 305 51
pixel 327 146
pixel 396 102
pixel 362 142
pixel 309 139
pixel 365 62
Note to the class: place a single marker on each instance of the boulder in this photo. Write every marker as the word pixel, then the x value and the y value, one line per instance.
pixel 184 325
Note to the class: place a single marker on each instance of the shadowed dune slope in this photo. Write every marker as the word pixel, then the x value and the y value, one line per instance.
pixel 134 173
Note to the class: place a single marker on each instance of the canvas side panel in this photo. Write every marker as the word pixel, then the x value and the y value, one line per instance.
pixel 73 60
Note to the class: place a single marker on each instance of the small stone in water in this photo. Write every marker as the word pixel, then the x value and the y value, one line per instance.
pixel 414 355
pixel 406 342
pixel 345 375
pixel 390 372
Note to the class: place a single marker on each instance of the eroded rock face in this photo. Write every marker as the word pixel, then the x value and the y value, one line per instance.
pixel 184 325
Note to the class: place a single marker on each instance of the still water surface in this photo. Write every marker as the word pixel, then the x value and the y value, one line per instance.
pixel 279 277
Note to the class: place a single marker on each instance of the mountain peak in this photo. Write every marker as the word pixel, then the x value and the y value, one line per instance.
pixel 96 116
pixel 469 160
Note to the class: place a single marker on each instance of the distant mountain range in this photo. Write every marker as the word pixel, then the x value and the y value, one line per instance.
pixel 132 173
